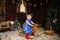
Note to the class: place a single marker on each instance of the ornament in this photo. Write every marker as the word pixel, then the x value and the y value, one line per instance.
pixel 11 20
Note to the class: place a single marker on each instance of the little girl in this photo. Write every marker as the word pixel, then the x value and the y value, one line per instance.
pixel 27 26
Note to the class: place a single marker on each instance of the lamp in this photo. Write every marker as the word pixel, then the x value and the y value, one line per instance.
pixel 22 7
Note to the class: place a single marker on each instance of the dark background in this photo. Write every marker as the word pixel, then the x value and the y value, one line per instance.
pixel 39 12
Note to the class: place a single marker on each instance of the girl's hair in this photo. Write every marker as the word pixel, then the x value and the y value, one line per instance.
pixel 29 14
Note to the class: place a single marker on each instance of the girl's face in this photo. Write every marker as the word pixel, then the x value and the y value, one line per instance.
pixel 29 16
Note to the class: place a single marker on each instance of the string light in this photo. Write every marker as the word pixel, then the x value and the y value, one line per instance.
pixel 27 0
pixel 35 5
pixel 41 3
pixel 46 1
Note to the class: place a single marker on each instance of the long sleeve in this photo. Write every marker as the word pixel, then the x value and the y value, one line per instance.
pixel 28 23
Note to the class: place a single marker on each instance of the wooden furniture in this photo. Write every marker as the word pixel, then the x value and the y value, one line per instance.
pixel 4 25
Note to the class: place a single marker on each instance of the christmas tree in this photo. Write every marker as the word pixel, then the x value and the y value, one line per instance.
pixel 17 25
pixel 53 16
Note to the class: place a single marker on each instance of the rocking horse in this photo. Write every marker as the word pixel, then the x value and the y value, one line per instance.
pixel 34 29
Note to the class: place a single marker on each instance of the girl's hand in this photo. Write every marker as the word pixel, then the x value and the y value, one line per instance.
pixel 32 25
pixel 29 23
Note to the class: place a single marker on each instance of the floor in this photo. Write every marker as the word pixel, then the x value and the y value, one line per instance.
pixel 13 35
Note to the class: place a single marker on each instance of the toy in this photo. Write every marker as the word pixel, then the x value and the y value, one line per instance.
pixel 34 29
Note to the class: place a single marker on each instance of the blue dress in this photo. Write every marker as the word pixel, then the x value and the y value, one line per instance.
pixel 27 28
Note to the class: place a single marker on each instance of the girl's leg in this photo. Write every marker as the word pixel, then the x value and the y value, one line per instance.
pixel 26 36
